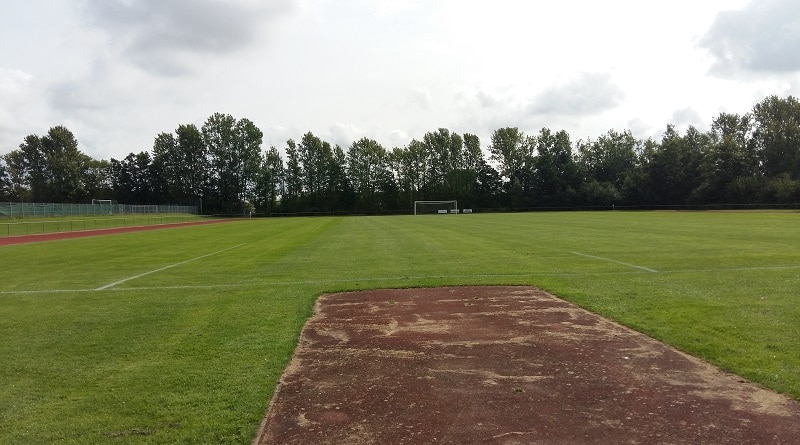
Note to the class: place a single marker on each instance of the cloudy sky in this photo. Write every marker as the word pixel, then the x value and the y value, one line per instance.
pixel 118 72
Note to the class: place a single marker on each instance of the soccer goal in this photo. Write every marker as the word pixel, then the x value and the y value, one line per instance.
pixel 102 206
pixel 432 207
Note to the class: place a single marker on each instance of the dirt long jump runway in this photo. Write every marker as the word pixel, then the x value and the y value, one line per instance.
pixel 504 365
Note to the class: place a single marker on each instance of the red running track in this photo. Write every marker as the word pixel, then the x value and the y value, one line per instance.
pixel 4 241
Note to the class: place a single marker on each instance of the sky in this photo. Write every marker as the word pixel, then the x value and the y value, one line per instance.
pixel 119 72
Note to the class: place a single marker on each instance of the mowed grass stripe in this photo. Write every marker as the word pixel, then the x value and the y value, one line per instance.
pixel 191 354
pixel 154 365
pixel 89 263
pixel 412 279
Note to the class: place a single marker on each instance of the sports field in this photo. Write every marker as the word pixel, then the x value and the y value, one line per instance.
pixel 179 335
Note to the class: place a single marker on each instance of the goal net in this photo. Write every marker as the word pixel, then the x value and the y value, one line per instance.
pixel 103 206
pixel 435 207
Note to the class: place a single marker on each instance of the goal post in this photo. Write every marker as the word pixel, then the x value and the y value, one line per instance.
pixel 102 206
pixel 439 207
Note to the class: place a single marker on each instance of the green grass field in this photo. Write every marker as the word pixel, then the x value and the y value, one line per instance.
pixel 179 335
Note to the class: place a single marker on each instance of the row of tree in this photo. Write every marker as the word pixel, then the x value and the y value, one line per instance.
pixel 222 168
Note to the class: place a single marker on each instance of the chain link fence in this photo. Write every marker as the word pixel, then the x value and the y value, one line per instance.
pixel 47 225
pixel 54 217
pixel 34 210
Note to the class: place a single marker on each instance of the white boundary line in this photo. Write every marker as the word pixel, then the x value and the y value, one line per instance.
pixel 617 262
pixel 110 285
pixel 379 279
pixel 76 291
pixel 742 269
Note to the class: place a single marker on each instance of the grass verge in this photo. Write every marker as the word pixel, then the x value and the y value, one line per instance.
pixel 190 351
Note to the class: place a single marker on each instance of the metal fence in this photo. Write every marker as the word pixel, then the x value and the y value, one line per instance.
pixel 46 225
pixel 33 209
pixel 136 209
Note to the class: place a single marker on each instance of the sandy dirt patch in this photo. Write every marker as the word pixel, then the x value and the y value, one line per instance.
pixel 504 365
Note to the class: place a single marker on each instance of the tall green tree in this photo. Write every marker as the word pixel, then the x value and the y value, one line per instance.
pixel 607 163
pixel 473 155
pixel 67 165
pixel 31 169
pixel 318 167
pixel 776 136
pixel 314 155
pixel 609 158
pixel 513 152
pixel 293 179
pixel 556 173
pixel 6 188
pixel 194 168
pixel 339 194
pixel 270 186
pixel 234 148
pixel 218 136
pixel 97 179
pixel 509 148
pixel 180 166
pixel 166 178
pixel 50 167
pixel 248 147
pixel 463 181
pixel 368 169
pixel 411 170
pixel 132 179
pixel 488 187
pixel 17 173
pixel 730 165
pixel 673 169
pixel 445 158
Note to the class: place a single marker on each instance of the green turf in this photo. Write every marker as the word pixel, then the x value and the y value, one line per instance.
pixel 190 351
pixel 39 225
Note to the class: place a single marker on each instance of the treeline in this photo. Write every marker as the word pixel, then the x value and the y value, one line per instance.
pixel 223 168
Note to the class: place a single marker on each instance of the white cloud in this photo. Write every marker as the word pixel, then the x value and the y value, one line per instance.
pixel 763 37
pixel 421 97
pixel 794 89
pixel 639 129
pixel 589 93
pixel 686 117
pixel 343 135
pixel 390 70
pixel 396 138
pixel 14 83
pixel 167 37
pixel 486 100
pixel 17 96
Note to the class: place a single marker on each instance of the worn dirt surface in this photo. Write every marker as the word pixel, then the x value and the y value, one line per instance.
pixel 42 237
pixel 504 365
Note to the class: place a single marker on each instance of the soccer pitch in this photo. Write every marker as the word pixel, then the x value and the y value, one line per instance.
pixel 180 335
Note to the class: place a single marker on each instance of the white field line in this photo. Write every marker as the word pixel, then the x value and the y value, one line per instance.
pixel 110 285
pixel 615 261
pixel 379 279
pixel 738 269
pixel 76 291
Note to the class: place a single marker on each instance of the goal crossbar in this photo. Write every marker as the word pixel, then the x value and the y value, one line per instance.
pixel 452 201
